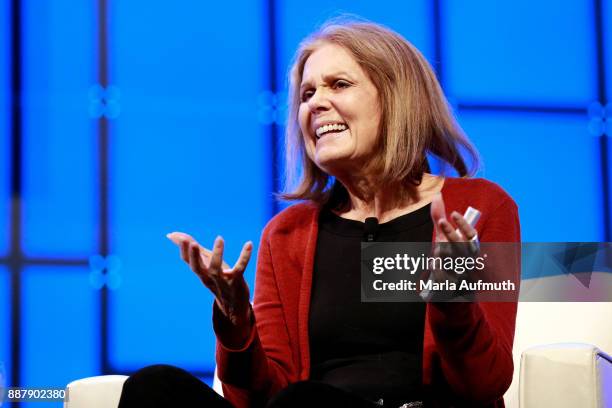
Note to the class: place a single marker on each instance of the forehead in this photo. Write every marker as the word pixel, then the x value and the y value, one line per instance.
pixel 329 59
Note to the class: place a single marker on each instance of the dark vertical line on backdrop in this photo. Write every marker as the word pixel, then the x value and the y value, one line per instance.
pixel 103 239
pixel 603 99
pixel 436 35
pixel 273 87
pixel 436 24
pixel 15 256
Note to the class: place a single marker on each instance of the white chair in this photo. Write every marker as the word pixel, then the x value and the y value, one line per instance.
pixel 547 373
pixel 542 346
pixel 95 392
pixel 582 372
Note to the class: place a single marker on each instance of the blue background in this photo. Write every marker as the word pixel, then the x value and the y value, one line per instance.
pixel 193 115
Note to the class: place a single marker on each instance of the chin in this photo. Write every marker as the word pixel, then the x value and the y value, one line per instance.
pixel 329 164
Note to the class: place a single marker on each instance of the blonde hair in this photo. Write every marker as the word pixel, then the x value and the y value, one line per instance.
pixel 415 120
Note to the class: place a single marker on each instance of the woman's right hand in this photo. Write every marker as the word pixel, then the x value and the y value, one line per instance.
pixel 227 284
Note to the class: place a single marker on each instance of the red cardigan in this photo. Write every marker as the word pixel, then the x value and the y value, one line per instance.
pixel 467 351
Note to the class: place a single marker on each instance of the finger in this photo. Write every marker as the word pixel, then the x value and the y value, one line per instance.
pixel 178 237
pixel 465 228
pixel 449 231
pixel 243 259
pixel 216 259
pixel 182 240
pixel 438 212
pixel 437 208
pixel 184 245
pixel 207 253
pixel 195 262
pixel 204 253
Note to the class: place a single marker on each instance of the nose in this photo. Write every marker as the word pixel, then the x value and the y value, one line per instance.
pixel 319 101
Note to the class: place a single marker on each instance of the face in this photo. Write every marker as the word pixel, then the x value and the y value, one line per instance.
pixel 339 113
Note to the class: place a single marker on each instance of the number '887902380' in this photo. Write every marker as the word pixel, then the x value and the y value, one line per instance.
pixel 18 394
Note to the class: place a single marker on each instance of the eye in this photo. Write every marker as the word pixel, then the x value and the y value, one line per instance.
pixel 307 94
pixel 341 83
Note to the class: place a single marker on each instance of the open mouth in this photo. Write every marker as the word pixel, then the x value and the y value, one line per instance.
pixel 331 128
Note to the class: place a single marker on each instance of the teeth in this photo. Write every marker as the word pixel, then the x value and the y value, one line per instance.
pixel 328 128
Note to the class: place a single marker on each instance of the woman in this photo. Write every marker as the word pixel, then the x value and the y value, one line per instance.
pixel 365 109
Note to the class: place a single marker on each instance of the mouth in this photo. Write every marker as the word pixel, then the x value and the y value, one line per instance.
pixel 330 128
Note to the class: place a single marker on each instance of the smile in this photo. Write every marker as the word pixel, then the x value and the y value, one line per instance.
pixel 335 127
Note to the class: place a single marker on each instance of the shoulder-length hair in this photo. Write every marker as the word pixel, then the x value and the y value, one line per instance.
pixel 416 119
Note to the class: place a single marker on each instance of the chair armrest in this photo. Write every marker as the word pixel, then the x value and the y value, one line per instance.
pixel 216 385
pixel 565 375
pixel 95 392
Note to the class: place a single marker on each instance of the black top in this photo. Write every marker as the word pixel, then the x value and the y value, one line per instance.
pixel 372 349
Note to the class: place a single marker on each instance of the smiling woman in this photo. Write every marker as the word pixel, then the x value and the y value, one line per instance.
pixel 339 113
pixel 380 86
pixel 365 112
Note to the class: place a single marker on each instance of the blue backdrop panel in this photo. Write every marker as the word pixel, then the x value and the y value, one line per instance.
pixel 5 130
pixel 549 164
pixel 60 327
pixel 5 322
pixel 520 52
pixel 59 150
pixel 187 154
pixel 411 19
pixel 295 21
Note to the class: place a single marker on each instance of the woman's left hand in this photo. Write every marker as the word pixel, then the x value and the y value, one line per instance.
pixel 445 231
pixel 451 242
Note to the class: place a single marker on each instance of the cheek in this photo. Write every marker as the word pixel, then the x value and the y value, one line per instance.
pixel 303 123
pixel 372 124
pixel 303 119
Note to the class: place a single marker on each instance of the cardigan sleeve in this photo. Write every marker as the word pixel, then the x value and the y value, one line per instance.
pixel 252 374
pixel 474 340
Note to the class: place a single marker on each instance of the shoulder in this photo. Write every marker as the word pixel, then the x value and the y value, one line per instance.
pixel 476 192
pixel 297 218
pixel 499 221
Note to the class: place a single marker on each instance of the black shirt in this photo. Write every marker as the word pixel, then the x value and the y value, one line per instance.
pixel 372 349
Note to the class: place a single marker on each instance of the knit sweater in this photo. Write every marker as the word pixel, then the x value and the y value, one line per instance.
pixel 467 350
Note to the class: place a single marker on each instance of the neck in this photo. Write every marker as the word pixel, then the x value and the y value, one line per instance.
pixel 367 198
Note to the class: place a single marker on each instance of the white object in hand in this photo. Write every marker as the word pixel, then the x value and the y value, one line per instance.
pixel 472 216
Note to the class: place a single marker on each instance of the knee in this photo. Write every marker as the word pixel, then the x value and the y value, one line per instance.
pixel 163 386
pixel 155 374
